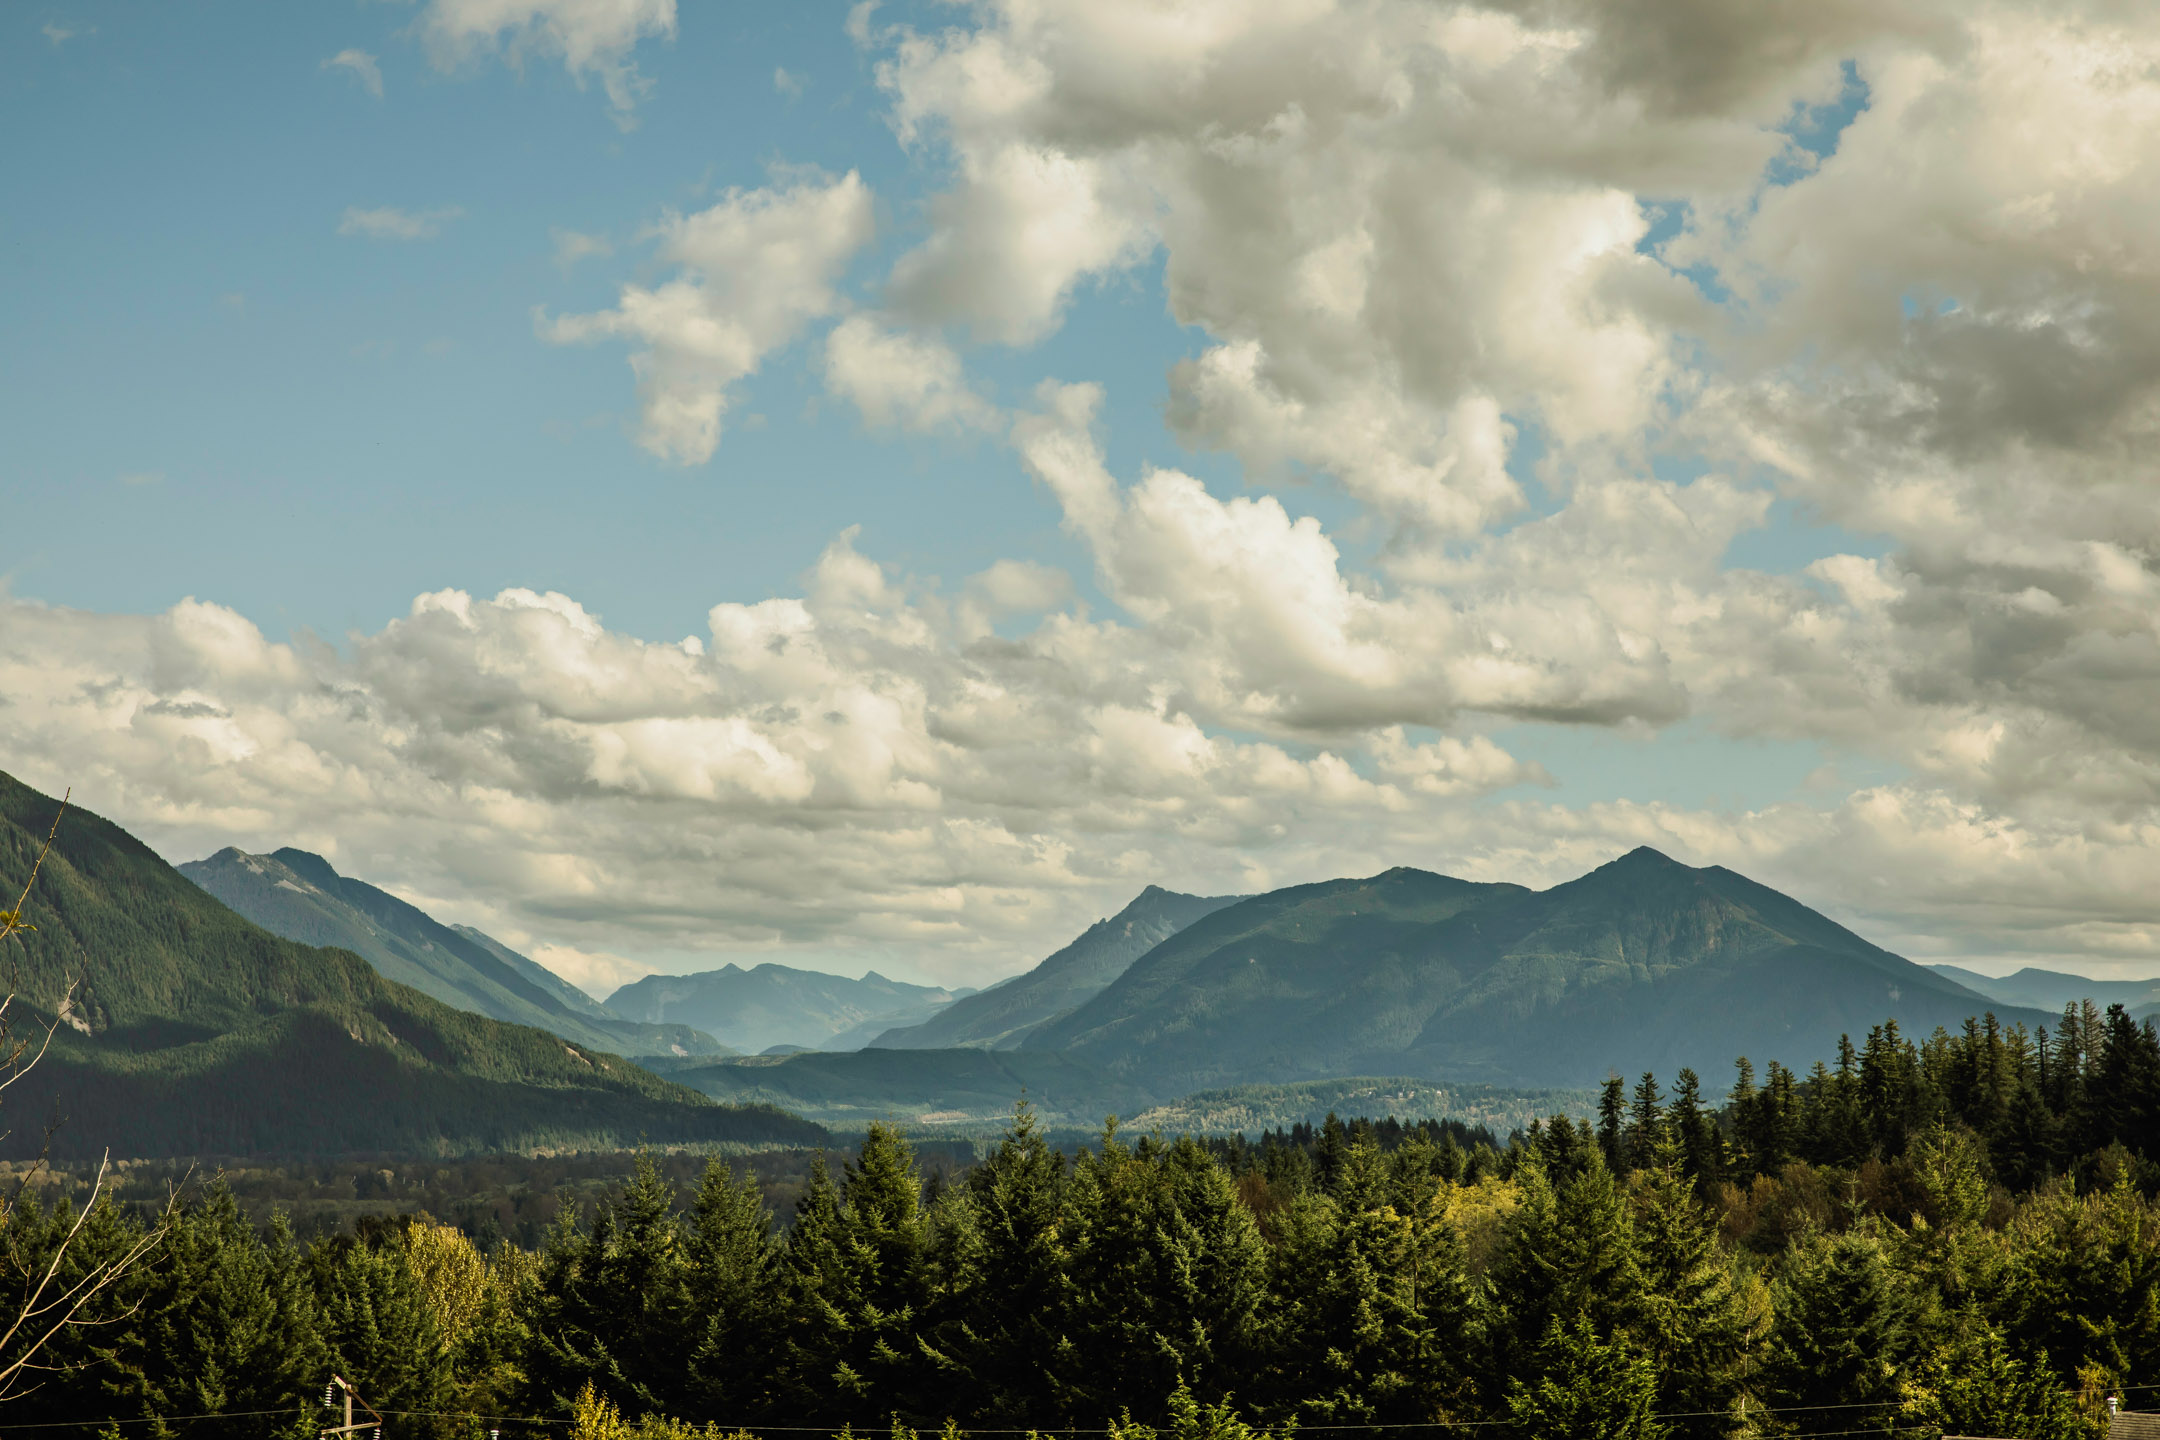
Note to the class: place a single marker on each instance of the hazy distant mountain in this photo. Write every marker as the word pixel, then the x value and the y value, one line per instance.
pixel 756 1009
pixel 2053 989
pixel 298 895
pixel 192 1031
pixel 997 1018
pixel 1641 964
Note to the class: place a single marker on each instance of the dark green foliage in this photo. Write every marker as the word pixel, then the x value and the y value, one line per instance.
pixel 1585 1386
pixel 1003 1307
pixel 224 1320
pixel 856 1283
pixel 610 1306
pixel 1976 1386
pixel 377 1327
pixel 1843 1334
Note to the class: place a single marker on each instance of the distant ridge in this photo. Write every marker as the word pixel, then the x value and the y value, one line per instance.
pixel 2053 989
pixel 1000 1017
pixel 298 895
pixel 767 1005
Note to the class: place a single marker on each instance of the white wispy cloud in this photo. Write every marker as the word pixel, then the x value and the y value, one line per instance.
pixel 571 247
pixel 390 223
pixel 363 68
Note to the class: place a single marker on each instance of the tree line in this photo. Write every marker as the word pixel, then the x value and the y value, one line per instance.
pixel 1955 1236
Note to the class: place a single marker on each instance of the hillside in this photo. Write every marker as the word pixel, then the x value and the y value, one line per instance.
pixel 1641 964
pixel 769 1005
pixel 298 895
pixel 194 1031
pixel 999 1017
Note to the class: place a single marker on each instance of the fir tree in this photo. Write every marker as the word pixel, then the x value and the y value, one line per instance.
pixel 1694 1324
pixel 1586 1386
pixel 378 1327
pixel 1565 1255
pixel 1001 1314
pixel 610 1306
pixel 731 1280
pixel 858 1276
pixel 1842 1334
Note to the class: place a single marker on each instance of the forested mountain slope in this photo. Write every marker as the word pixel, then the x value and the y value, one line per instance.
pixel 1643 963
pixel 768 1005
pixel 194 1031
pixel 1000 1017
pixel 298 895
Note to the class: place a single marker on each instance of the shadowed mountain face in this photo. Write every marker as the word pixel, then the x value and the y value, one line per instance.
pixel 1641 964
pixel 298 895
pixel 191 1030
pixel 771 1005
pixel 1000 1017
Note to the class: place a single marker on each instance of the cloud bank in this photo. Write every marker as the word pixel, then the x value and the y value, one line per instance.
pixel 1565 300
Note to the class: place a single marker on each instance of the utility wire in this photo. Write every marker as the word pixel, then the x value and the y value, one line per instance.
pixel 1047 1431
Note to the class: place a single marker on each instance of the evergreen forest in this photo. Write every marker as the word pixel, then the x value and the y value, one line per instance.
pixel 1958 1236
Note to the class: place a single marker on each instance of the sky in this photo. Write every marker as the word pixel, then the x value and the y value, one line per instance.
pixel 876 486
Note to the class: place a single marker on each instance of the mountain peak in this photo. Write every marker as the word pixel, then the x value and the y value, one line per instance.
pixel 1643 857
pixel 309 867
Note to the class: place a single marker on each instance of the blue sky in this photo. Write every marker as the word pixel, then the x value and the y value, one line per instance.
pixel 1602 399
pixel 335 424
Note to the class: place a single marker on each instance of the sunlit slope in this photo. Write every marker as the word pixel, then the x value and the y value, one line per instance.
pixel 193 1030
pixel 299 895
pixel 1000 1017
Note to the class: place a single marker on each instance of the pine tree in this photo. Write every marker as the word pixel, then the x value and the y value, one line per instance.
pixel 378 1326
pixel 1646 1126
pixel 732 1285
pixel 1167 1271
pixel 1842 1335
pixel 1612 1123
pixel 1586 1386
pixel 226 1325
pixel 1694 1324
pixel 1371 1312
pixel 858 1280
pixel 1695 1131
pixel 1000 1317
pixel 611 1306
pixel 1565 1254
pixel 1976 1386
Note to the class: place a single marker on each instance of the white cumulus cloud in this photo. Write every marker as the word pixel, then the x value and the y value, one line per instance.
pixel 593 38
pixel 753 270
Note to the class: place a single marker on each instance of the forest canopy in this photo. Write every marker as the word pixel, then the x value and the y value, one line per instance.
pixel 1956 1236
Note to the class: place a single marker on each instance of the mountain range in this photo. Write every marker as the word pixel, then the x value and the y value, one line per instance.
pixel 771 1006
pixel 1642 964
pixel 2053 989
pixel 182 1028
pixel 1000 1017
pixel 298 895
pixel 192 1030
